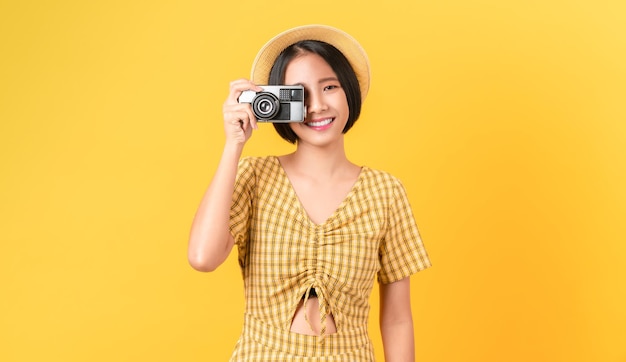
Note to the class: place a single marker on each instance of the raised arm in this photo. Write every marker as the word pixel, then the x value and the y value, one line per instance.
pixel 210 241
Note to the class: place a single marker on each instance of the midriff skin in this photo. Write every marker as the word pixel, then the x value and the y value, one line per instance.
pixel 299 324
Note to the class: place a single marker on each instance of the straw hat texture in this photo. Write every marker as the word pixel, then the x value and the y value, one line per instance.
pixel 341 40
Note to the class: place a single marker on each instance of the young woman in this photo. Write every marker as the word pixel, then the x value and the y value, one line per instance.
pixel 312 229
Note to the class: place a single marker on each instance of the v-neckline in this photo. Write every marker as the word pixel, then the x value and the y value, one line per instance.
pixel 294 195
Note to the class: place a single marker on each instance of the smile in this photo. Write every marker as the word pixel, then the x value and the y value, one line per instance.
pixel 320 123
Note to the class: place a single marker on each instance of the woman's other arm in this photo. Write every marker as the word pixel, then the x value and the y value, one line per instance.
pixel 396 321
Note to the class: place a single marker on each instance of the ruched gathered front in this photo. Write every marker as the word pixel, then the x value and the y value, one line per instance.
pixel 283 254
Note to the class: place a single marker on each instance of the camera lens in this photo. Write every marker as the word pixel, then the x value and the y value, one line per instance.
pixel 265 106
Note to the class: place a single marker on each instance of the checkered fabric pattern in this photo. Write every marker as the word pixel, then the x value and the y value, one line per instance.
pixel 282 254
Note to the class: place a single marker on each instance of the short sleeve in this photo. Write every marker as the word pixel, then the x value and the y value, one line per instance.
pixel 241 208
pixel 402 252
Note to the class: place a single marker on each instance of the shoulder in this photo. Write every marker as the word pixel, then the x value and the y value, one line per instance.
pixel 381 186
pixel 381 179
pixel 263 168
pixel 258 163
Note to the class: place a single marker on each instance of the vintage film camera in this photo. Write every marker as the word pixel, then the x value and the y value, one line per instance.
pixel 277 103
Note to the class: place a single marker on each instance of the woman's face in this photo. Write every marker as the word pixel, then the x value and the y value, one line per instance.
pixel 327 106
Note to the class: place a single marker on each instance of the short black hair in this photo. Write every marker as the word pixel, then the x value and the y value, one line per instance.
pixel 339 64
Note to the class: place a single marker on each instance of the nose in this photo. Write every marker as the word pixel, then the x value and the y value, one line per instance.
pixel 315 103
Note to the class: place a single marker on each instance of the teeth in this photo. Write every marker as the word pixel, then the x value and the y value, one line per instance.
pixel 320 123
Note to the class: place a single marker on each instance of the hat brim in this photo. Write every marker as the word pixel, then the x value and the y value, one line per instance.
pixel 345 43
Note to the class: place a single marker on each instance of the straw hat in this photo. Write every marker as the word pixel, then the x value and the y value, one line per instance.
pixel 346 44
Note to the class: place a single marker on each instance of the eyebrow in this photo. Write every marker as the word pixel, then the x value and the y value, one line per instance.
pixel 327 79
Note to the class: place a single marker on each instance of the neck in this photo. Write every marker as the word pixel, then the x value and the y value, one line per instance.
pixel 318 161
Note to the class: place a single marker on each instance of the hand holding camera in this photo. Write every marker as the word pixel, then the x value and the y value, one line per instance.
pixel 248 104
pixel 239 121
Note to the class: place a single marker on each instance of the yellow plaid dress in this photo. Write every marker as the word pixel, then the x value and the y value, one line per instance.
pixel 283 254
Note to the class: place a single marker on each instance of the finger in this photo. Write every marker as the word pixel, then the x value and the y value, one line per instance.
pixel 242 110
pixel 252 118
pixel 236 107
pixel 239 86
pixel 235 119
pixel 236 88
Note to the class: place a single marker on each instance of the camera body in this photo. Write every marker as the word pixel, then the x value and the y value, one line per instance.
pixel 277 103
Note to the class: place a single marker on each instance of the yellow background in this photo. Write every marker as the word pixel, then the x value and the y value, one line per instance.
pixel 505 119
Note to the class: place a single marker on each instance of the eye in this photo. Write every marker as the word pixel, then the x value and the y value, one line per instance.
pixel 331 87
